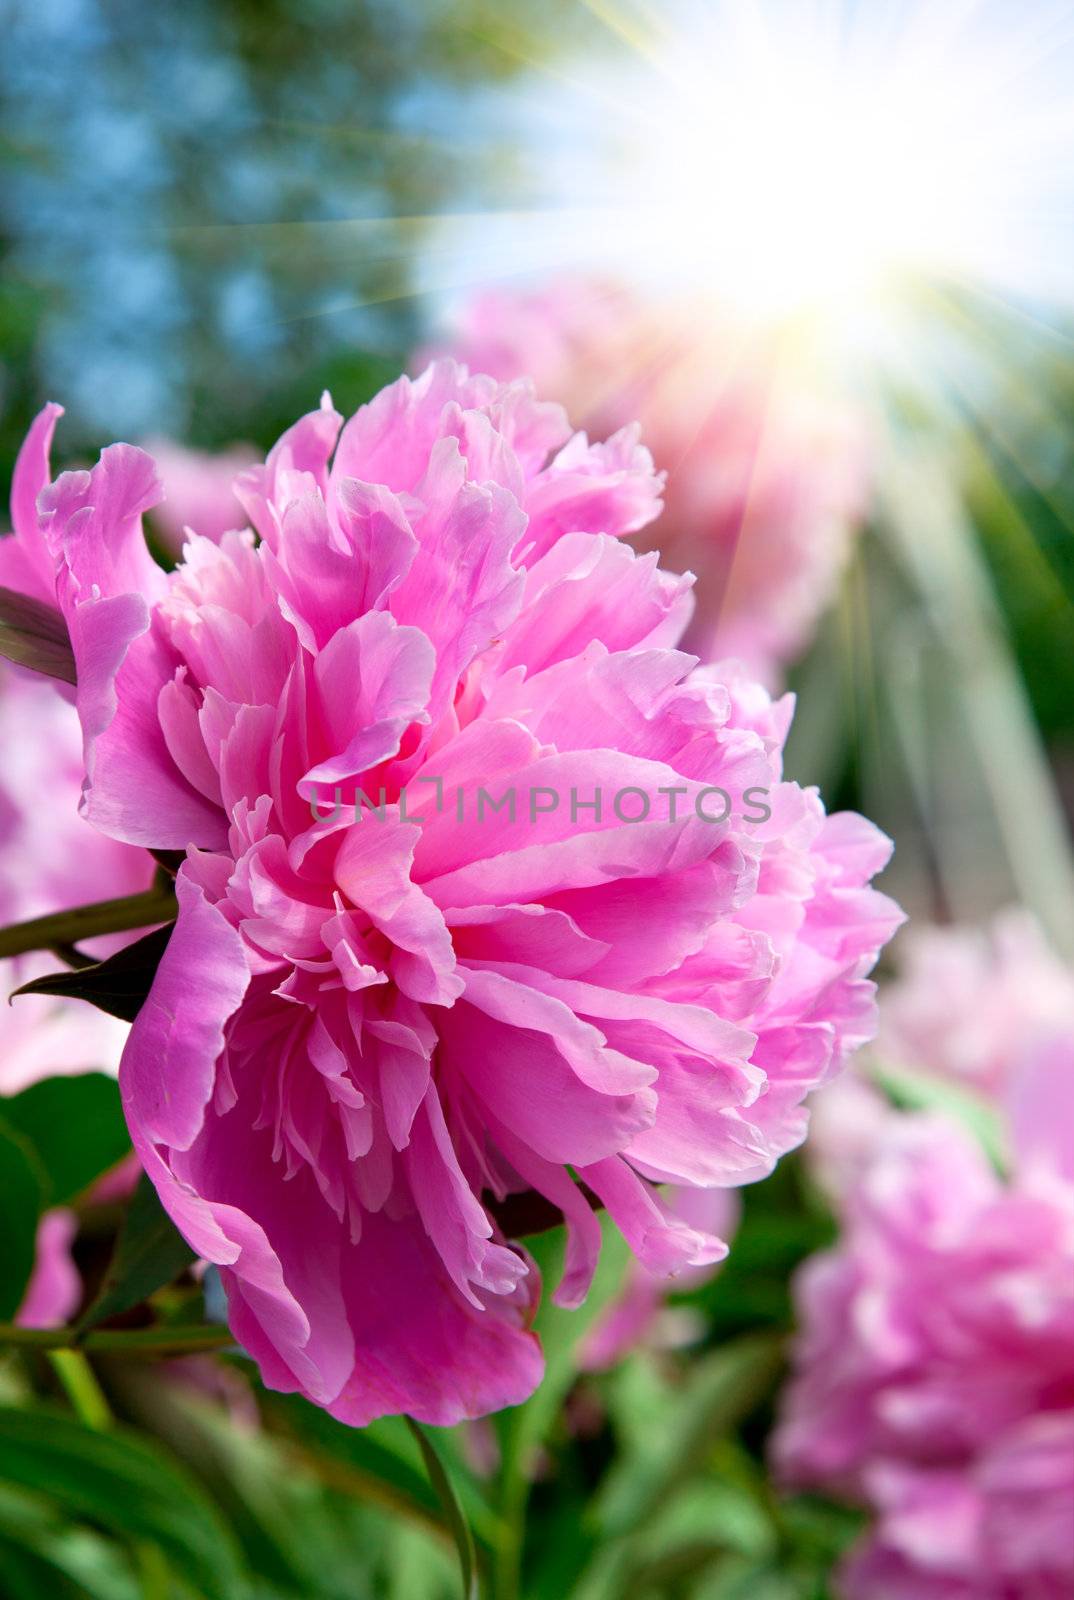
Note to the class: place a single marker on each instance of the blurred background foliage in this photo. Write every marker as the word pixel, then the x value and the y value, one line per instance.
pixel 209 213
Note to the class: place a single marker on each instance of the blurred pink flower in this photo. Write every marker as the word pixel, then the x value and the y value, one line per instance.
pixel 970 1002
pixel 55 1288
pixel 49 859
pixel 198 490
pixel 848 1122
pixel 365 1035
pixel 1003 1530
pixel 766 479
pixel 969 1006
pixel 935 1366
pixel 118 1183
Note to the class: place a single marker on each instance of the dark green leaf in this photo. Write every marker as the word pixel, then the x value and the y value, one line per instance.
pixel 21 1200
pixel 149 1253
pixel 42 1554
pixel 119 1481
pixel 76 1127
pixel 118 985
pixel 460 1528
pixel 30 1572
pixel 34 635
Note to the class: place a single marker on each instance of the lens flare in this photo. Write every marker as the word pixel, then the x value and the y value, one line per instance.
pixel 786 162
pixel 798 156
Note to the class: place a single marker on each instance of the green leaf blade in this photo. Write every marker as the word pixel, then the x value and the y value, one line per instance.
pixel 76 1127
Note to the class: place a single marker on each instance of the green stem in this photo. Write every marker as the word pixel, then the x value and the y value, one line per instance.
pixel 81 1387
pixel 73 957
pixel 158 1341
pixel 153 1574
pixel 67 928
pixel 456 1517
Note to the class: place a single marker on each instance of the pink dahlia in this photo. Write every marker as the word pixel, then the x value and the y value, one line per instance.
pixel 766 480
pixel 935 1367
pixel 394 996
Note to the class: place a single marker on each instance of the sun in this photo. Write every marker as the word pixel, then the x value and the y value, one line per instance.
pixel 787 164
pixel 818 159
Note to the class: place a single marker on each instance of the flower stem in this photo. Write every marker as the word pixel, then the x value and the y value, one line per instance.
pixel 67 928
pixel 158 1341
pixel 81 1387
pixel 453 1512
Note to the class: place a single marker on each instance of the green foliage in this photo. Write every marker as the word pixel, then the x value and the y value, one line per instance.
pixel 75 1127
pixel 127 1485
pixel 22 1187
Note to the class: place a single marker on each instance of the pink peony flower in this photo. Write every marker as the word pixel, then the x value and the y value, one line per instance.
pixel 1002 1530
pixel 49 859
pixel 198 491
pixel 935 1367
pixel 55 1288
pixel 370 1029
pixel 970 1003
pixel 766 480
pixel 970 1006
pixel 848 1122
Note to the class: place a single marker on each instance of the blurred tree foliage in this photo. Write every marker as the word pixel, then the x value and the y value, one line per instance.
pixel 210 211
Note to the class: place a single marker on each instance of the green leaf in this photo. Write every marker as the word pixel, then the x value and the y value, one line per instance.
pixel 21 1201
pixel 460 1528
pixel 296 1536
pixel 118 1481
pixel 149 1253
pixel 415 1563
pixel 722 1388
pixel 42 1554
pixel 76 1127
pixel 34 634
pixel 31 1571
pixel 561 1333
pixel 118 985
